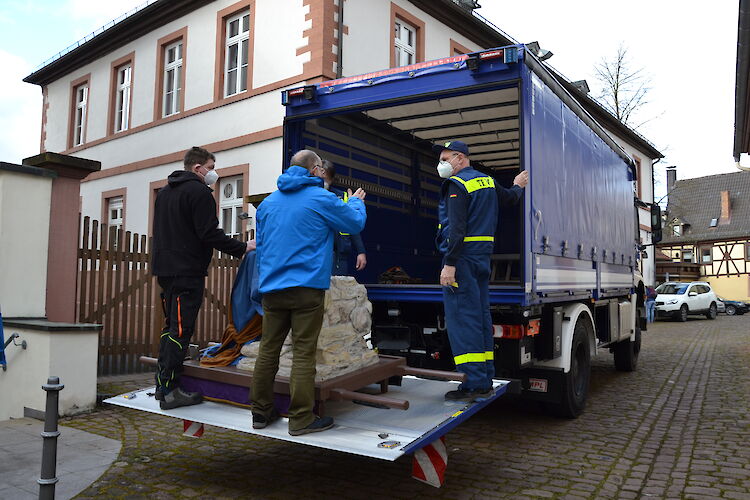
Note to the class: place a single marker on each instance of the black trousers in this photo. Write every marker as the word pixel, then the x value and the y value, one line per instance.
pixel 181 299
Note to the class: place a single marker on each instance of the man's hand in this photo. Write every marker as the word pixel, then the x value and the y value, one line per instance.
pixel 448 275
pixel 250 246
pixel 361 261
pixel 522 179
pixel 359 193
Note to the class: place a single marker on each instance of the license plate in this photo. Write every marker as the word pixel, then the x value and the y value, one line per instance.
pixel 538 384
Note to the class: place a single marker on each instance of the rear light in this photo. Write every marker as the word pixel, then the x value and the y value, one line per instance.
pixel 516 331
pixel 492 54
pixel 308 92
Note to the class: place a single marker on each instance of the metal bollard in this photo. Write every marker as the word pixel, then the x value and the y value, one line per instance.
pixel 50 434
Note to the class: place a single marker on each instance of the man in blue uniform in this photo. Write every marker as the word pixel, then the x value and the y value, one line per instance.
pixel 343 243
pixel 467 216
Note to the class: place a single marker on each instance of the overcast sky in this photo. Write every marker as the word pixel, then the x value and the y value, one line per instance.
pixel 687 49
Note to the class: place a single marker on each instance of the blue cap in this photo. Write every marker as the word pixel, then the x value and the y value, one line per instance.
pixel 458 146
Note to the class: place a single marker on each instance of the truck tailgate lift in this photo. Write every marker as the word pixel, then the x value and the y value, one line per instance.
pixel 359 429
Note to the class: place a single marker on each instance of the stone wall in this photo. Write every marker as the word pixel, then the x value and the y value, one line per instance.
pixel 341 345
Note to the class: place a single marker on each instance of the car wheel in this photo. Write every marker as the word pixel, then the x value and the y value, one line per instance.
pixel 711 314
pixel 682 314
pixel 730 310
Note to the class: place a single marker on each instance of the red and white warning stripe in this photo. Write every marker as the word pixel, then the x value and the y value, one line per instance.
pixel 192 429
pixel 430 462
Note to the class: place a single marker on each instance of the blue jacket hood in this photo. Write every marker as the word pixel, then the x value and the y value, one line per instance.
pixel 295 178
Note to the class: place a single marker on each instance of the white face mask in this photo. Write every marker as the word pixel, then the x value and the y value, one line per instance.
pixel 444 169
pixel 211 177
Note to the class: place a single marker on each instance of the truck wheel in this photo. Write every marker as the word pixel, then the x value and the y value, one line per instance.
pixel 575 385
pixel 626 353
pixel 682 314
pixel 711 314
pixel 730 310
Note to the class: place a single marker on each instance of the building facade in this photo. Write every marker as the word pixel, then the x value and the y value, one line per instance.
pixel 708 223
pixel 182 73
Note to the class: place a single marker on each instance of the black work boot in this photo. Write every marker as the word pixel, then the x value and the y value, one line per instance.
pixel 318 425
pixel 178 398
pixel 261 421
pixel 468 396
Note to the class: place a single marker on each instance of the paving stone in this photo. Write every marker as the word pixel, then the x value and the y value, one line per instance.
pixel 640 436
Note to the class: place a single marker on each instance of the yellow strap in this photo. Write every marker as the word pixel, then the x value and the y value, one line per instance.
pixel 476 183
pixel 489 355
pixel 470 357
pixel 479 238
pixel 344 234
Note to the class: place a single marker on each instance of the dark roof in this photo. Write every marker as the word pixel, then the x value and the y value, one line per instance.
pixel 697 201
pixel 742 89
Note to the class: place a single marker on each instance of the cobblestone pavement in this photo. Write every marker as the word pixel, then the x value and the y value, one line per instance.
pixel 679 427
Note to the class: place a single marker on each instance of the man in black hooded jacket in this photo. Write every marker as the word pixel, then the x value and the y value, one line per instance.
pixel 186 231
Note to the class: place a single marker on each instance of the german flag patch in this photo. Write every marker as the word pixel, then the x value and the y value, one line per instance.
pixel 454 196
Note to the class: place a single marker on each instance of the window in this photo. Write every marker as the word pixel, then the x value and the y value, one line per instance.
pixel 747 251
pixel 230 204
pixel 81 94
pixel 405 43
pixel 172 78
pixel 706 255
pixel 236 53
pixel 456 49
pixel 122 97
pixel 115 210
pixel 687 256
pixel 677 229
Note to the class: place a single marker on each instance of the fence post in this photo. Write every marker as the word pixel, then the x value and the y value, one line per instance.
pixel 50 434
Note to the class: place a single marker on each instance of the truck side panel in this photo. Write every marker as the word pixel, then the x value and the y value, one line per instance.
pixel 581 197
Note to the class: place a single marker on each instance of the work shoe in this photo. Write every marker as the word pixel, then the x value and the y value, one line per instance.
pixel 468 396
pixel 318 425
pixel 178 398
pixel 260 421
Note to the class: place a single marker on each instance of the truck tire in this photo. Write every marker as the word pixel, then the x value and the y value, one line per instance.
pixel 730 310
pixel 626 353
pixel 712 311
pixel 575 386
pixel 682 314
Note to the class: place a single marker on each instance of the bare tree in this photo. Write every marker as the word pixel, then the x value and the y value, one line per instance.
pixel 625 90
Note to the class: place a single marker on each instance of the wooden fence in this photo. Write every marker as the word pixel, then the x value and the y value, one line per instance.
pixel 116 290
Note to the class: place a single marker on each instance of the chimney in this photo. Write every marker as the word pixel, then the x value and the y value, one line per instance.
pixel 671 178
pixel 725 208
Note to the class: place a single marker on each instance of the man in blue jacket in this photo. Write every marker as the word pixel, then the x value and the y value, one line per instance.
pixel 468 213
pixel 295 227
pixel 343 243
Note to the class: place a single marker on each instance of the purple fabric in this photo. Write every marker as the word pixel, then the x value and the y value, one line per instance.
pixel 229 392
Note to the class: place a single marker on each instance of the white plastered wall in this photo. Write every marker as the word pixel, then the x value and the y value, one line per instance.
pixel 68 355
pixel 279 26
pixel 263 157
pixel 24 235
pixel 367 47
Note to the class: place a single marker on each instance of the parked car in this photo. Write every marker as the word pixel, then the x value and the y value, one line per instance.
pixel 732 307
pixel 678 300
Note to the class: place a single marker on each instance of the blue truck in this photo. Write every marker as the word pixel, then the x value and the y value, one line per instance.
pixel 565 281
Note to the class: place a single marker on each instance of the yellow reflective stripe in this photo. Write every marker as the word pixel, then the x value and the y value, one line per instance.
pixel 440 226
pixel 479 238
pixel 470 357
pixel 346 200
pixel 489 355
pixel 476 183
